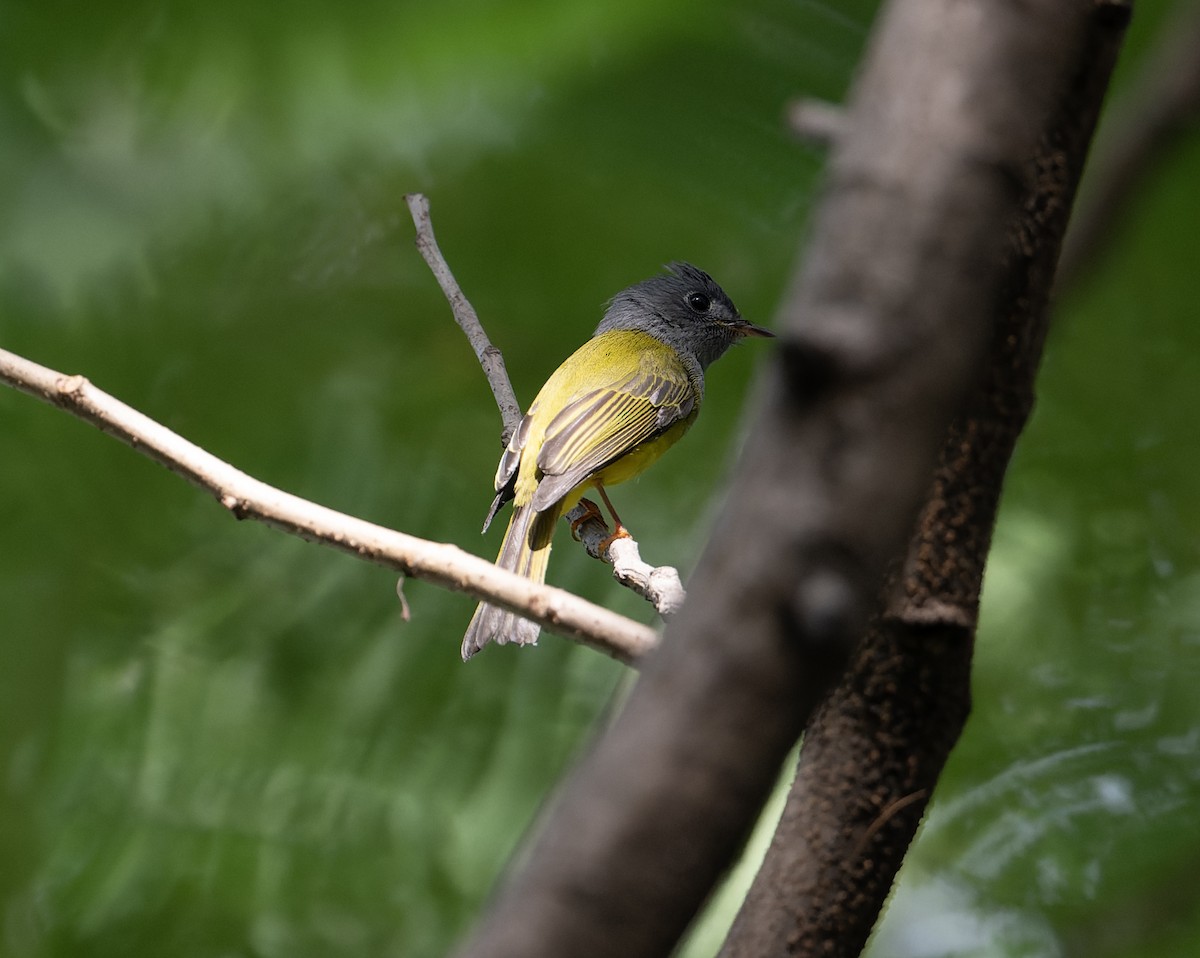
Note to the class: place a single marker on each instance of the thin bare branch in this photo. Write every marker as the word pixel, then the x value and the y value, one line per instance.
pixel 490 358
pixel 658 585
pixel 1161 107
pixel 246 497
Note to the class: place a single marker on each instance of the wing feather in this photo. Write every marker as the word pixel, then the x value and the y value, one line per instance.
pixel 506 472
pixel 604 424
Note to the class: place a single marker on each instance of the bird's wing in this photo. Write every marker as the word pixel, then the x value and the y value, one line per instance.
pixel 506 472
pixel 604 424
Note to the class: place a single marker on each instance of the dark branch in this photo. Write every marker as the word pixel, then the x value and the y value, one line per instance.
pixel 876 749
pixel 892 317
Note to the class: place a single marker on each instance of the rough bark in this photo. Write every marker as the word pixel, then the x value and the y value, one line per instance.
pixel 891 317
pixel 875 750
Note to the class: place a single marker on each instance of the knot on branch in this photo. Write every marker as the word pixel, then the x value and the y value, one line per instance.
pixel 825 609
pixel 817 122
pixel 70 388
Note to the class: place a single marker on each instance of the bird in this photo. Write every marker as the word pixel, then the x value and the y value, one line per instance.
pixel 607 413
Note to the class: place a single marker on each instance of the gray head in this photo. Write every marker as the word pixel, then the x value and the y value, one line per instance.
pixel 683 308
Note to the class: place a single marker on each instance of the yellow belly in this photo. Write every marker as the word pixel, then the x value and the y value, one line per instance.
pixel 638 459
pixel 633 463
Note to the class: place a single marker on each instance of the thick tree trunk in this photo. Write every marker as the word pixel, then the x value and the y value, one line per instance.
pixel 884 338
pixel 877 747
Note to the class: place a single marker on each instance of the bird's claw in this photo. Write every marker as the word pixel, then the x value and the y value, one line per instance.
pixel 592 512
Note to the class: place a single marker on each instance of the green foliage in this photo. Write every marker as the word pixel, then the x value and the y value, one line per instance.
pixel 216 740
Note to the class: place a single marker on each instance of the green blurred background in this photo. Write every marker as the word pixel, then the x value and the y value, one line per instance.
pixel 215 740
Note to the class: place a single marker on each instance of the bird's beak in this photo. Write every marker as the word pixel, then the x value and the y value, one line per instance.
pixel 743 328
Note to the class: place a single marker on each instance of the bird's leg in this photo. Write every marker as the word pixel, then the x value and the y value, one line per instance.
pixel 619 531
pixel 593 512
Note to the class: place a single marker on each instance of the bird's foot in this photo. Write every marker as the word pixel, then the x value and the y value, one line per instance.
pixel 620 533
pixel 593 512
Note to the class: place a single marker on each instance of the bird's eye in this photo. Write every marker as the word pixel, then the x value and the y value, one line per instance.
pixel 699 302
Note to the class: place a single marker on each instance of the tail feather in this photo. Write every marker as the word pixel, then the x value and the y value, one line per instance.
pixel 526 551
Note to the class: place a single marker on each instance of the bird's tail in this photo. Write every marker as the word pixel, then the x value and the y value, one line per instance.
pixel 526 551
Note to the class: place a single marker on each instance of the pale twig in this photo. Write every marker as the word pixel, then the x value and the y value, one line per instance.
pixel 246 497
pixel 405 611
pixel 490 358
pixel 658 585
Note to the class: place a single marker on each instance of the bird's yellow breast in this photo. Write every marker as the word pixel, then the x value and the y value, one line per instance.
pixel 642 456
